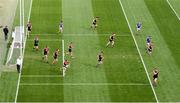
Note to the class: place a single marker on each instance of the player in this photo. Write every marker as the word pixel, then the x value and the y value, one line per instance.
pixel 94 23
pixel 55 55
pixel 138 26
pixel 36 43
pixel 155 76
pixel 111 40
pixel 66 65
pixel 29 28
pixel 46 52
pixel 100 58
pixel 148 40
pixel 61 26
pixel 149 48
pixel 70 47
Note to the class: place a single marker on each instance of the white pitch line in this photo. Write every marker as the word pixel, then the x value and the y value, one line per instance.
pixel 85 84
pixel 173 9
pixel 19 78
pixel 142 60
pixel 40 76
pixel 63 55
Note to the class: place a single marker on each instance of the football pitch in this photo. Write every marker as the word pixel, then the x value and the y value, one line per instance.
pixel 126 73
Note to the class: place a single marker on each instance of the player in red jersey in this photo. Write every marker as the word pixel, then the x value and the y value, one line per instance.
pixel 100 59
pixel 70 51
pixel 29 28
pixel 46 52
pixel 94 23
pixel 66 65
pixel 55 55
pixel 155 76
pixel 111 40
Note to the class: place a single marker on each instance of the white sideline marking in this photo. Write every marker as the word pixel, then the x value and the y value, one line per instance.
pixel 85 84
pixel 142 60
pixel 40 76
pixel 83 35
pixel 173 9
pixel 19 78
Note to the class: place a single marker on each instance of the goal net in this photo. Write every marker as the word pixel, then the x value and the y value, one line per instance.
pixel 16 48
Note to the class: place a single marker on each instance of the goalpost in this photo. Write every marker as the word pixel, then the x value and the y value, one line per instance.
pixel 16 47
pixel 18 37
pixel 22 40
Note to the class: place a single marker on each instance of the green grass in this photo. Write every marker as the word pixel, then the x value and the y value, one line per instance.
pixel 45 18
pixel 160 22
pixel 113 81
pixel 168 25
pixel 8 86
pixel 175 4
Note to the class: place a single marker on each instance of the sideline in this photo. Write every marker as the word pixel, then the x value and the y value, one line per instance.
pixel 142 60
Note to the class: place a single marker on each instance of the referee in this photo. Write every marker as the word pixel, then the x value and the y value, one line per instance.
pixel 6 31
pixel 18 64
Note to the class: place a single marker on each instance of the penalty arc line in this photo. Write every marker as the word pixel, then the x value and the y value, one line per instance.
pixel 142 60
pixel 19 78
pixel 173 9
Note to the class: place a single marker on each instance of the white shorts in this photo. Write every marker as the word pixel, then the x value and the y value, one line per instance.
pixel 61 28
pixel 138 29
pixel 100 62
pixel 45 56
pixel 155 79
pixel 36 47
pixel 67 66
pixel 148 44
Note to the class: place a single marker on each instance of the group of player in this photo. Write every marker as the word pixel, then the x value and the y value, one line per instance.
pixel 66 63
pixel 149 45
pixel 100 56
pixel 149 49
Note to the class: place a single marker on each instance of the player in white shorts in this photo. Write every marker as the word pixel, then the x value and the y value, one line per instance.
pixel 155 76
pixel 61 26
pixel 66 65
pixel 111 40
pixel 138 26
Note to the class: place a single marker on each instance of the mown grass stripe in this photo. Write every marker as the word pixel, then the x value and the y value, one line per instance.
pixel 85 84
pixel 40 76
pixel 77 35
pixel 78 20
